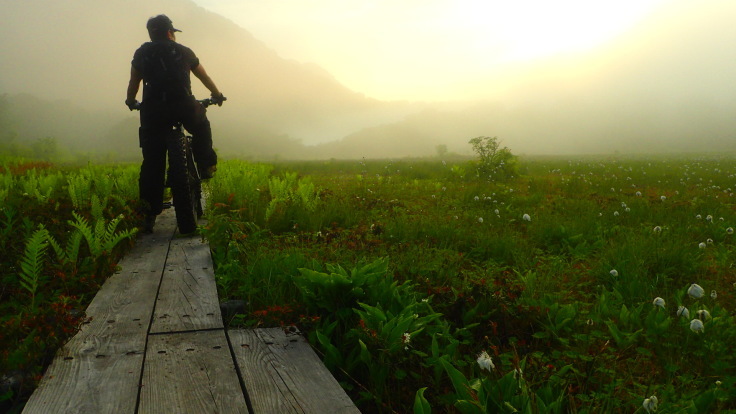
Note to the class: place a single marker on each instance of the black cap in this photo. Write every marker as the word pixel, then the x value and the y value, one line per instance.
pixel 160 24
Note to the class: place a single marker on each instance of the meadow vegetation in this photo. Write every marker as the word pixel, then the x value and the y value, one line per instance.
pixel 599 284
pixel 62 231
pixel 430 286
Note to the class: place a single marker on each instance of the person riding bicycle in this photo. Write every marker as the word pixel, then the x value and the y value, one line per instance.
pixel 164 67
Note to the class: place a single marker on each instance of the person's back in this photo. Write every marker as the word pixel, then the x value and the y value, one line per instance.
pixel 164 67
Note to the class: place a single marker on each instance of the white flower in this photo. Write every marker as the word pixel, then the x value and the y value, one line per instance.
pixel 638 193
pixel 703 315
pixel 615 213
pixel 698 217
pixel 729 230
pixel 701 245
pixel 657 229
pixel 713 294
pixel 650 404
pixel 613 272
pixel 658 302
pixel 683 312
pixel 709 241
pixel 497 212
pixel 477 198
pixel 696 325
pixel 663 198
pixel 480 219
pixel 526 217
pixel 627 209
pixel 695 291
pixel 485 361
pixel 709 218
pixel 406 338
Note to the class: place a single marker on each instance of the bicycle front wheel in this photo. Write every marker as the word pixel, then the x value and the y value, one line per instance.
pixel 184 188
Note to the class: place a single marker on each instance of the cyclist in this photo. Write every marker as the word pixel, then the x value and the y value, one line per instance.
pixel 164 67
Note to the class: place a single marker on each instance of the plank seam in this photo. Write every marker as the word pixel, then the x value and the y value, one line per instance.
pixel 150 324
pixel 239 373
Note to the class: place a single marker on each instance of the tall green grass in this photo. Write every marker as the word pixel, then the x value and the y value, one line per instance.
pixel 553 275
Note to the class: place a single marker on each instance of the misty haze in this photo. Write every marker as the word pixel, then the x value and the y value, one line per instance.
pixel 416 206
pixel 666 85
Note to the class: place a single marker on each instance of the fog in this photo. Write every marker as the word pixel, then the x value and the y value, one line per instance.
pixel 667 85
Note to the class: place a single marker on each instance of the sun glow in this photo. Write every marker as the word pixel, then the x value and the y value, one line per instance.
pixel 421 48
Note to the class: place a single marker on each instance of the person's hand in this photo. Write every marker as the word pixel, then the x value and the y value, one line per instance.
pixel 218 99
pixel 132 104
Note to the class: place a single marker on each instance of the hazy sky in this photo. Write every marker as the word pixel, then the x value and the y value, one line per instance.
pixel 431 49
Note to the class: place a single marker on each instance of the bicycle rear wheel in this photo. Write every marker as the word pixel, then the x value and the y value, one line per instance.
pixel 185 189
pixel 194 179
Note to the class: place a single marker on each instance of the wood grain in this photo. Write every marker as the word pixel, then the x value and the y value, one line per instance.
pixel 282 374
pixel 187 299
pixel 190 372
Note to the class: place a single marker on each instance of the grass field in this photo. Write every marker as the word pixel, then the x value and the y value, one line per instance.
pixel 582 285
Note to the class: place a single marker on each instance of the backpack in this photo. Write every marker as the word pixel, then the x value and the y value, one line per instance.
pixel 165 71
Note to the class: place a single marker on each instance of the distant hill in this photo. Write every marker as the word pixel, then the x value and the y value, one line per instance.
pixel 80 51
pixel 668 85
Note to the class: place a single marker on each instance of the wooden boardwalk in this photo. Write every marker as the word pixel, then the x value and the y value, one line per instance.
pixel 155 343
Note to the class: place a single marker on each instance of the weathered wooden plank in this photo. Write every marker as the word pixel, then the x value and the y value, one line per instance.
pixel 86 377
pixel 188 296
pixel 282 374
pixel 190 372
pixel 98 370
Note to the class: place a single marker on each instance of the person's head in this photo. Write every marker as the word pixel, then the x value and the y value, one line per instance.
pixel 161 28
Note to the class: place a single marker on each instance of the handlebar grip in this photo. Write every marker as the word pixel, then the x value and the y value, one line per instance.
pixel 211 101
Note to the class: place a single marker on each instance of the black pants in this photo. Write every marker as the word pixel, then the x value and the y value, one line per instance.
pixel 157 119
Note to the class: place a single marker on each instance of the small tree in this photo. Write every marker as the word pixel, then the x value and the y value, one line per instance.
pixel 494 160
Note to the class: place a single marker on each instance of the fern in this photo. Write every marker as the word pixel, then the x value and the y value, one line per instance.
pixel 308 195
pixel 104 185
pixel 280 194
pixel 102 237
pixel 31 264
pixel 68 256
pixel 112 239
pixel 79 190
pixel 83 227
pixel 98 206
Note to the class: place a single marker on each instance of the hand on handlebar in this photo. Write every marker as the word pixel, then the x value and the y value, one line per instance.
pixel 218 99
pixel 132 104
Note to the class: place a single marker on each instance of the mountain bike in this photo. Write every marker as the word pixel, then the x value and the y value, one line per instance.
pixel 183 177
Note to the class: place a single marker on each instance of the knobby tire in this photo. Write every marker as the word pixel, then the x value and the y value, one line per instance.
pixel 184 188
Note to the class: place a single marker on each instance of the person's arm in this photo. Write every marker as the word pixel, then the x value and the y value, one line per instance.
pixel 133 85
pixel 202 75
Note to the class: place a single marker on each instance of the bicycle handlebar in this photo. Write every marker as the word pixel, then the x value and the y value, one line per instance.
pixel 210 101
pixel 205 102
